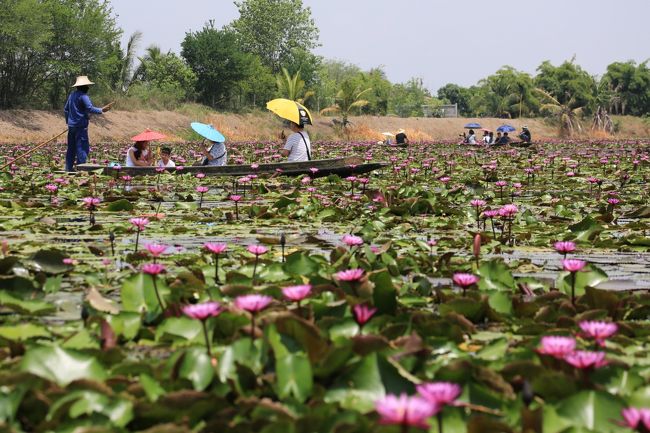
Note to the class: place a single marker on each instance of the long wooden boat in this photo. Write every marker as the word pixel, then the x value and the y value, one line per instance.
pixel 340 166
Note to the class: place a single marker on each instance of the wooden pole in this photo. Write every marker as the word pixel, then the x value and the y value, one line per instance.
pixel 29 152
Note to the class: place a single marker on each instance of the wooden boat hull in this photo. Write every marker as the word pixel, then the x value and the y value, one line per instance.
pixel 341 166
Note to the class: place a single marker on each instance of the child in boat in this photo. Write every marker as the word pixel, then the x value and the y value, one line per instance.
pixel 139 155
pixel 165 158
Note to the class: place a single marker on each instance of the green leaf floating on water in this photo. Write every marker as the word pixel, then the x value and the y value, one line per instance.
pixel 23 332
pixel 595 410
pixel 86 403
pixel 292 367
pixel 591 277
pixel 61 366
pixel 49 261
pixel 122 205
pixel 586 230
pixel 367 381
pixel 495 275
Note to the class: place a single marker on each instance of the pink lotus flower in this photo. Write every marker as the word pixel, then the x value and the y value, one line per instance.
pixel 363 313
pixel 314 170
pixel 584 359
pixel 637 419
pixel 573 265
pixel 235 198
pixel 613 201
pixel 478 203
pixel 156 249
pixel 200 175
pixel 501 183
pixel 153 268
pixel 202 311
pixel 255 166
pixel 202 189
pixel 296 293
pixel 51 187
pixel 432 242
pixel 564 247
pixel 465 280
pixel 350 275
pixel 215 248
pixel 599 331
pixel 91 202
pixel 508 210
pixel 405 411
pixel 253 303
pixel 139 223
pixel 439 393
pixel 69 261
pixel 351 240
pixel 556 346
pixel 491 213
pixel 258 250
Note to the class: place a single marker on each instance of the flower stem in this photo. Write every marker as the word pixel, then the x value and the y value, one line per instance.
pixel 155 289
pixel 573 287
pixel 216 269
pixel 137 239
pixel 207 339
pixel 439 416
pixel 255 268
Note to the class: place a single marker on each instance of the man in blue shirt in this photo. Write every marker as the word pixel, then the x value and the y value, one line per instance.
pixel 77 114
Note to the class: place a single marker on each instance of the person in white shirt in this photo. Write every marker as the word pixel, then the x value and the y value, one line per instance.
pixel 138 155
pixel 165 158
pixel 298 145
pixel 471 138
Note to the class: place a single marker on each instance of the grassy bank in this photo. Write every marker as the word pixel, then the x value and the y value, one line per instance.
pixel 23 126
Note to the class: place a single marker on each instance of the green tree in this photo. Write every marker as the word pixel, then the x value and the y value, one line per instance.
pixel 407 99
pixel 455 94
pixel 379 96
pixel 218 62
pixel 566 114
pixel 568 84
pixel 24 33
pixel 349 97
pixel 507 93
pixel 292 87
pixel 167 72
pixel 275 30
pixel 259 86
pixel 85 41
pixel 628 87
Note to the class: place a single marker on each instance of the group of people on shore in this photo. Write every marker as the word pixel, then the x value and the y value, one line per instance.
pixel 79 107
pixel 490 139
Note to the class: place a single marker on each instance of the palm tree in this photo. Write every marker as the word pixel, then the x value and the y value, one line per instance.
pixel 349 97
pixel 152 55
pixel 293 87
pixel 567 116
pixel 126 62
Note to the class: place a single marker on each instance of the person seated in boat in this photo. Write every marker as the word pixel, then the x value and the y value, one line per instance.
pixel 486 137
pixel 165 158
pixel 298 145
pixel 497 138
pixel 471 138
pixel 138 155
pixel 491 135
pixel 216 155
pixel 525 135
pixel 401 138
pixel 504 139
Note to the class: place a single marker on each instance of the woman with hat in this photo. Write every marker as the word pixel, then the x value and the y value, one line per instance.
pixel 78 109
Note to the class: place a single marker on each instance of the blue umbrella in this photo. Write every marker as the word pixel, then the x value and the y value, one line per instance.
pixel 473 125
pixel 208 132
pixel 506 128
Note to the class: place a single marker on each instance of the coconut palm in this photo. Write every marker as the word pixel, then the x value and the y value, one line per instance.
pixel 127 60
pixel 293 87
pixel 152 55
pixel 566 114
pixel 348 98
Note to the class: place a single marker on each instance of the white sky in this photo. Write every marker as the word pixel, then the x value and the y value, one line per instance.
pixel 441 41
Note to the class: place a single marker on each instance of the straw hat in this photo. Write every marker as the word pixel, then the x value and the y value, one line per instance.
pixel 401 131
pixel 83 81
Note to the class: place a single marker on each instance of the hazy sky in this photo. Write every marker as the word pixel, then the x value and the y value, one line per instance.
pixel 441 41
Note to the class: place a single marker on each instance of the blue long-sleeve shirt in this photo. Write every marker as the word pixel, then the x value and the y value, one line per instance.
pixel 78 109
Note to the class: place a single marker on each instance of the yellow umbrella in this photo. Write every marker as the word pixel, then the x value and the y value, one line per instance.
pixel 290 110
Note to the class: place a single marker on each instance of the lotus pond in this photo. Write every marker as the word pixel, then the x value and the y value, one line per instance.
pixel 457 290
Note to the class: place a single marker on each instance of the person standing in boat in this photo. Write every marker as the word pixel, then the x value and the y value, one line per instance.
pixel 77 110
pixel 138 155
pixel 216 155
pixel 298 145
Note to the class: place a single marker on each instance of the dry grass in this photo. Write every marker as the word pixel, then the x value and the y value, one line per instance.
pixel 21 126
